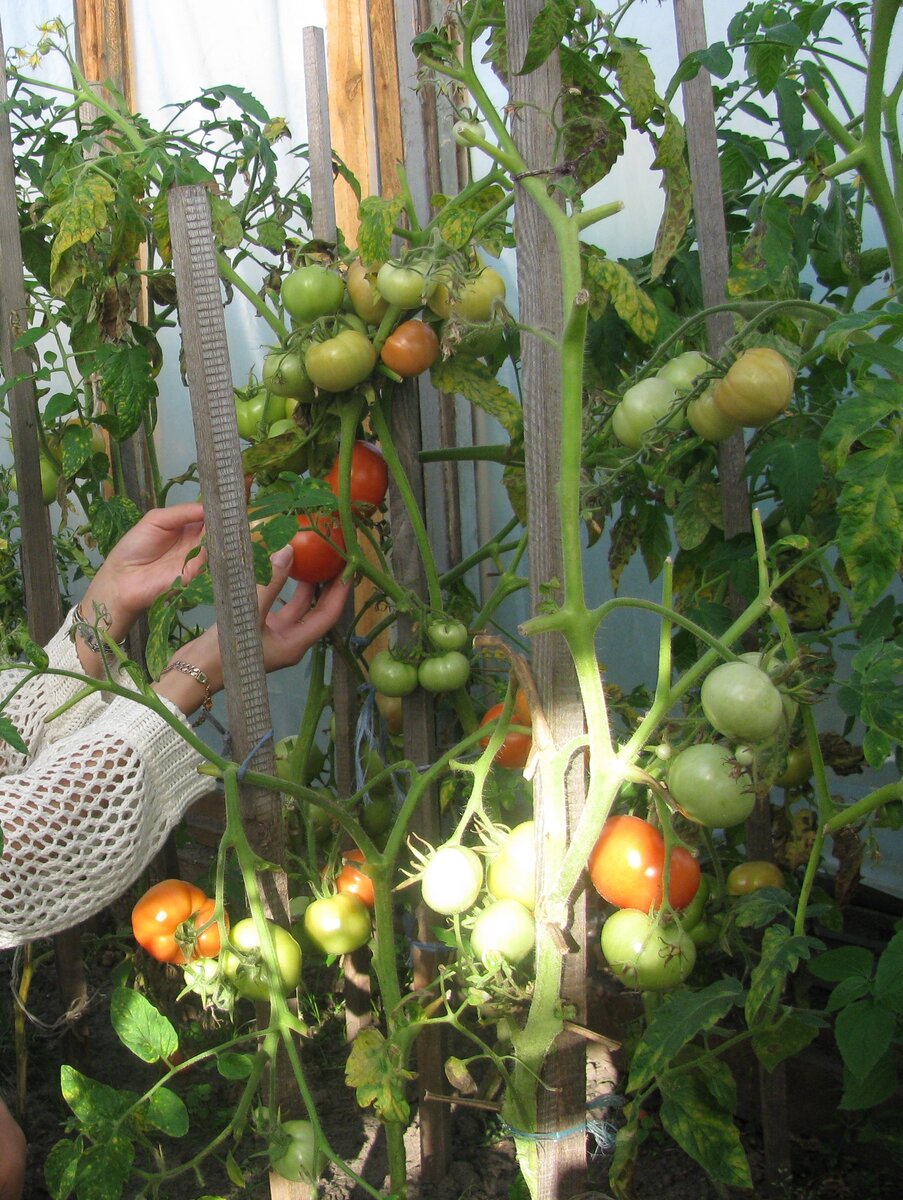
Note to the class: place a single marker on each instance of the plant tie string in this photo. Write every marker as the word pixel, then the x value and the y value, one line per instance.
pixel 601 1130
pixel 243 768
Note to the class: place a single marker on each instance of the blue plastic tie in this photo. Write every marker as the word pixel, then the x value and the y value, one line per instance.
pixel 242 770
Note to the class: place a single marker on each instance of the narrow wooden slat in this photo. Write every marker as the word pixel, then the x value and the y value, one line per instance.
pixel 350 107
pixel 561 1103
pixel 390 150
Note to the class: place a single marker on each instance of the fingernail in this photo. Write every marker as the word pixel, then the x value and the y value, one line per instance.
pixel 282 558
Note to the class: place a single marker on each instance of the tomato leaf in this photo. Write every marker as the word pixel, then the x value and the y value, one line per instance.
pixel 889 975
pixel 11 735
pixel 140 1027
pixel 872 692
pixel 795 470
pixel 127 385
pixel 61 1168
pixel 378 219
pixel 457 218
pixel 636 80
pixel 791 1033
pixel 95 1104
pixel 870 505
pixel 472 379
pixel 864 1032
pixel 167 1112
pixel 547 33
pixel 781 954
pixel 872 1089
pixel 836 965
pixel 77 217
pixel 703 1129
pixel 104 1169
pixel 110 519
pixel 764 262
pixel 610 282
pixel 374 1071
pixel 671 159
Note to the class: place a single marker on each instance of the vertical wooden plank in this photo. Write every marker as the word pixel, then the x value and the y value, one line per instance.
pixel 350 107
pixel 103 43
pixel 390 149
pixel 561 1103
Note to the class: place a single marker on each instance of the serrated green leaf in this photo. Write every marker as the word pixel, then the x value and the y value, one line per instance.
pixel 546 33
pixel 167 1112
pixel 792 1032
pixel 851 420
pixel 889 974
pixel 110 519
pixel 872 1089
pixel 378 218
pixel 864 1031
pixel 781 954
pixel 870 532
pixel 655 538
pixel 140 1027
pixel 127 385
pixel 795 470
pixel 676 1023
pixel 703 1130
pixel 472 379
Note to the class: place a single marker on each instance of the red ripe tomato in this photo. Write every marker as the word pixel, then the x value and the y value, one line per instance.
pixel 316 560
pixel 411 348
pixel 160 912
pixel 515 749
pixel 627 863
pixel 369 476
pixel 354 882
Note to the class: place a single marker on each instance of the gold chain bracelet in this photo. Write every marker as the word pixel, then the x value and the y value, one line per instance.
pixel 195 673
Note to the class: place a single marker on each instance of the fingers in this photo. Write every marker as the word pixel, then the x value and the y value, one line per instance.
pixel 280 563
pixel 177 516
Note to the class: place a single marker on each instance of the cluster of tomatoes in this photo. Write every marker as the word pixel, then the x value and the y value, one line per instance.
pixel 756 388
pixel 443 668
pixel 646 946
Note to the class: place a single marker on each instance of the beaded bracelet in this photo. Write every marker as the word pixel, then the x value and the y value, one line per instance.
pixel 195 673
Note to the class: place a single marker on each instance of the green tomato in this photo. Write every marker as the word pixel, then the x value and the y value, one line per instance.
pixel 512 869
pixel 451 880
pixel 473 301
pixel 709 787
pixel 284 375
pixel 683 370
pixel 311 292
pixel 643 957
pixel 706 932
pixel 338 924
pixel 293 1154
pixel 391 676
pixel 244 967
pixel 641 408
pixel 404 286
pixel 366 301
pixel 341 362
pixel 504 931
pixel 707 420
pixel 255 410
pixel 50 478
pixel 741 702
pixel 798 768
pixel 447 635
pixel 443 672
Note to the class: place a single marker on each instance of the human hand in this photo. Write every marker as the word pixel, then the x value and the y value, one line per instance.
pixel 287 633
pixel 145 563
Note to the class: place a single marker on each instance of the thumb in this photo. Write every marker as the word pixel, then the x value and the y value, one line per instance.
pixel 280 562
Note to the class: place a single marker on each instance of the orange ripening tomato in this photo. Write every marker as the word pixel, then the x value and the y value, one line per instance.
pixel 353 881
pixel 411 348
pixel 160 912
pixel 627 864
pixel 515 749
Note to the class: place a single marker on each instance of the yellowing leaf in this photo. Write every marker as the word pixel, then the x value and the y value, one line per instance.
pixel 374 1071
pixel 79 215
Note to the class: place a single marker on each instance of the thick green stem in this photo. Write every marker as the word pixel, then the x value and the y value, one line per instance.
pixel 228 272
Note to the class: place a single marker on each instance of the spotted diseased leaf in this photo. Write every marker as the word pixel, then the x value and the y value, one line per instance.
pixel 636 80
pixel 378 218
pixel 129 230
pixel 77 217
pixel 61 1168
pixel 167 1112
pixel 698 509
pixel 655 539
pixel 374 1071
pixel 703 1129
pixel 76 446
pixel 110 519
pixel 676 1023
pixel 547 33
pixel 781 954
pixel 671 159
pixel 625 538
pixel 764 262
pixel 857 416
pixel 607 282
pixel 456 220
pixel 227 228
pixel 791 1033
pixel 870 507
pixel 593 135
pixel 127 385
pixel 873 694
pixel 514 480
pixel 472 379
pixel 97 1105
pixel 271 234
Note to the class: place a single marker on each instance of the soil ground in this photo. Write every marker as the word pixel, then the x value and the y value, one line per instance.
pixel 483 1165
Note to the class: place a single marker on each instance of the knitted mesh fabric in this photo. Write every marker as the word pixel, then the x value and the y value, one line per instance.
pixel 84 813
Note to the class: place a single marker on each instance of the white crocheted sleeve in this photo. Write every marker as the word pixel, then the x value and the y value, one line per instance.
pixel 84 813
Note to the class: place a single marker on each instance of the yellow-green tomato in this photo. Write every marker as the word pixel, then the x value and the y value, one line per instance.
pixel 683 369
pixel 293 1153
pixel 451 880
pixel 511 871
pixel 367 302
pixel 340 362
pixel 798 768
pixel 504 931
pixel 50 477
pixel 474 300
pixel 641 408
pixel 338 924
pixel 284 375
pixel 709 787
pixel 751 876
pixel 707 420
pixel 644 957
pixel 243 962
pixel 757 388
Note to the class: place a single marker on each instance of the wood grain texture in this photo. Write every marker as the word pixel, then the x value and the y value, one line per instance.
pixel 350 104
pixel 103 43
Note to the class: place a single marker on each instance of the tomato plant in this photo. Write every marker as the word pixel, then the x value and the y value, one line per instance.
pixel 338 924
pixel 515 749
pixel 411 348
pixel 352 881
pixel 369 477
pixel 473 300
pixel 392 676
pixel 504 931
pixel 627 862
pixel 443 672
pixel 645 956
pixel 166 919
pixel 451 879
pixel 709 787
pixel 340 362
pixel 312 291
pixel 317 560
pixel 757 387
pixel 243 964
pixel 750 876
pixel 741 702
pixel 642 407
